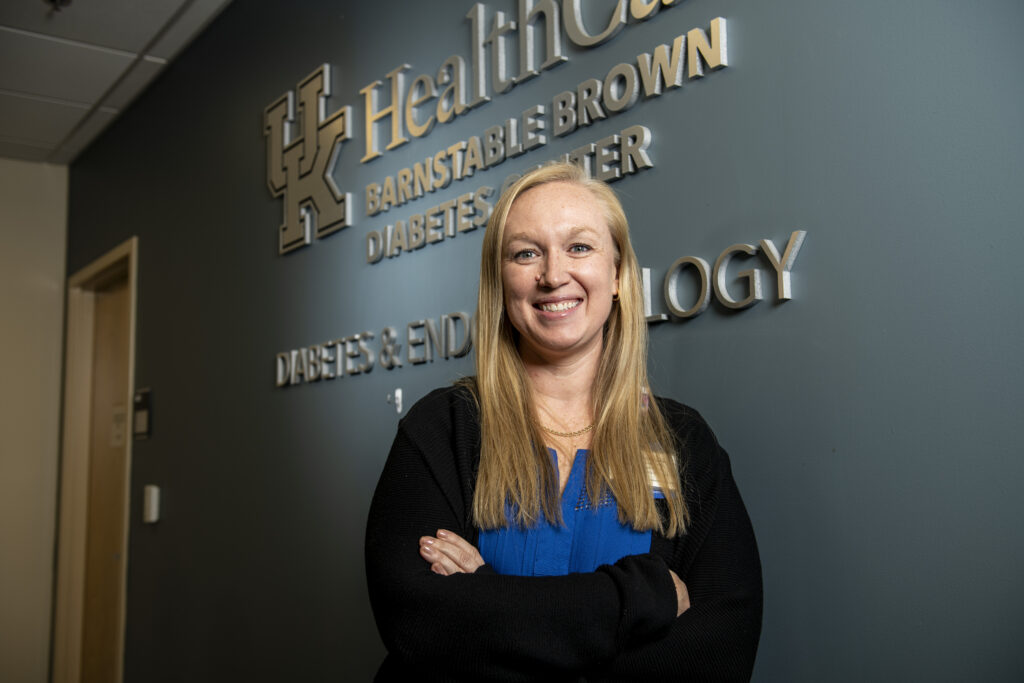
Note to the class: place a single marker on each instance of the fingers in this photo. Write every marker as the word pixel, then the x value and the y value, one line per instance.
pixel 682 595
pixel 449 553
pixel 439 562
pixel 461 551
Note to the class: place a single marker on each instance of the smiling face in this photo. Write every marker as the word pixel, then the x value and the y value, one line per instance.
pixel 559 271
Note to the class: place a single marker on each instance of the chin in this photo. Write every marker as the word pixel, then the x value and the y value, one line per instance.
pixel 558 346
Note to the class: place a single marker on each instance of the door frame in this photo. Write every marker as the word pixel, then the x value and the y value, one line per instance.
pixel 74 466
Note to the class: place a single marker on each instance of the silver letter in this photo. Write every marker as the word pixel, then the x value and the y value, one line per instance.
pixel 412 340
pixel 498 53
pixel 714 53
pixel 785 263
pixel 513 147
pixel 533 121
pixel 374 246
pixel 435 342
pixel 630 91
pixel 635 141
pixel 645 279
pixel 464 212
pixel 587 95
pixel 605 166
pixel 366 351
pixel 393 110
pixel 671 287
pixel 452 101
pixel 553 35
pixel 453 350
pixel 564 106
pixel 284 368
pixel 481 205
pixel 416 98
pixel 326 358
pixel 753 277
pixel 494 146
pixel 313 364
pixel 433 224
pixel 417 236
pixel 351 353
pixel 476 31
pixel 299 366
pixel 390 349
pixel 574 24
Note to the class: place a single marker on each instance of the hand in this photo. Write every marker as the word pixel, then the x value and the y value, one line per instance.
pixel 448 553
pixel 682 595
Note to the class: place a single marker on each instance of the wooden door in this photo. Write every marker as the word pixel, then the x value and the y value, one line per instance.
pixel 108 487
pixel 88 638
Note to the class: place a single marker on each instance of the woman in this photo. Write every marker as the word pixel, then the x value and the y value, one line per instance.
pixel 568 527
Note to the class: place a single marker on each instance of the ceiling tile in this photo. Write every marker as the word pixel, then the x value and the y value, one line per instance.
pixel 120 24
pixel 39 66
pixel 35 121
pixel 55 67
pixel 17 150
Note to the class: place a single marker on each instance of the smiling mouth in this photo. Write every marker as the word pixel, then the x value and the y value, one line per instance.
pixel 559 306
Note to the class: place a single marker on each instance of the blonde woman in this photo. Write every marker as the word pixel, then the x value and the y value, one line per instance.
pixel 549 519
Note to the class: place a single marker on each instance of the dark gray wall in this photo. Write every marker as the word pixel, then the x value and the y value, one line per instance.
pixel 873 421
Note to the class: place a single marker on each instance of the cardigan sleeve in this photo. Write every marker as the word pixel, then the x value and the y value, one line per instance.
pixel 484 625
pixel 716 639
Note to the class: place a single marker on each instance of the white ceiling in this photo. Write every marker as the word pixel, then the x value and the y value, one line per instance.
pixel 65 75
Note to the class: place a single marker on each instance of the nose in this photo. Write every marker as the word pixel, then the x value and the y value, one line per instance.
pixel 553 271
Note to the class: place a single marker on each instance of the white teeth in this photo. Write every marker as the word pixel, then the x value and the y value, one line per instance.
pixel 560 306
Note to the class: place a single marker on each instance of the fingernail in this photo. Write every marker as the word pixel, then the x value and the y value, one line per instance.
pixel 441 533
pixel 427 541
pixel 428 551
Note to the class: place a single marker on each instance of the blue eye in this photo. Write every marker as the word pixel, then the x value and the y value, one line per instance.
pixel 524 254
pixel 580 248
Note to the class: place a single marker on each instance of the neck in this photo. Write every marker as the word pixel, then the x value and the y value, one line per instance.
pixel 564 385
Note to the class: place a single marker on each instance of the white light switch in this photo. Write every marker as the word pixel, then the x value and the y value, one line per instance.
pixel 151 504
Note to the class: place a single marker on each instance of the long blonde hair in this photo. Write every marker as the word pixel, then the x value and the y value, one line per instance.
pixel 631 447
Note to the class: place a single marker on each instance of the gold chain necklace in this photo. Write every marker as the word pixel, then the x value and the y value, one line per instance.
pixel 564 435
pixel 568 435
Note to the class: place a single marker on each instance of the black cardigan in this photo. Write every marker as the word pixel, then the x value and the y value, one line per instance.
pixel 614 624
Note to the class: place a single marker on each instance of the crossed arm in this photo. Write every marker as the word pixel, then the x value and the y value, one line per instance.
pixel 448 553
pixel 622 621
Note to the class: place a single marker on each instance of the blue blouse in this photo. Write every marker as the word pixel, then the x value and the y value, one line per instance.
pixel 591 535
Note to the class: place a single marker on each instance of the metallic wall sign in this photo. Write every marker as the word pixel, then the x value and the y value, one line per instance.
pixel 592 100
pixel 459 88
pixel 717 280
pixel 357 354
pixel 302 169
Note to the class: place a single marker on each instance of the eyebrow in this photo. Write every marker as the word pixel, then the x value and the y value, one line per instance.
pixel 573 232
pixel 517 236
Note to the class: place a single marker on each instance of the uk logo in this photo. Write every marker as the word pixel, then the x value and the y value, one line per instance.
pixel 301 169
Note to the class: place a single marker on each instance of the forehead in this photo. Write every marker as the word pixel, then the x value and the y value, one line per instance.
pixel 553 208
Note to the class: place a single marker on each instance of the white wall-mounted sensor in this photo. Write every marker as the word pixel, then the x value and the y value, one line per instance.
pixel 151 504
